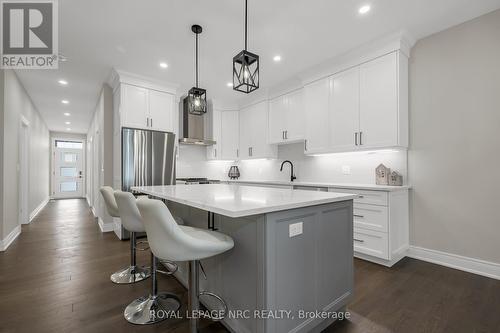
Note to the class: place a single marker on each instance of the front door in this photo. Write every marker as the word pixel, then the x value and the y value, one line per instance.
pixel 68 167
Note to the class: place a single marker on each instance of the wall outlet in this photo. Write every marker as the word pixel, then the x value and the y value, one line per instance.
pixel 346 170
pixel 295 229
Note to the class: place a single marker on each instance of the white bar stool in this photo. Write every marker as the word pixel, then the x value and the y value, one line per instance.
pixel 144 310
pixel 170 241
pixel 132 273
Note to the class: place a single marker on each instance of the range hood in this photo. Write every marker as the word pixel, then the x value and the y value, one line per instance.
pixel 194 127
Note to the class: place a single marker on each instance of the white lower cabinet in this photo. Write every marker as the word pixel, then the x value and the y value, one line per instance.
pixel 381 225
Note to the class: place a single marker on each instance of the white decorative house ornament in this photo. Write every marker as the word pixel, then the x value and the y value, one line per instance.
pixel 382 175
pixel 395 179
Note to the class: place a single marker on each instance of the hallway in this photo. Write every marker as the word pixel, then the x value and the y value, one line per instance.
pixel 55 278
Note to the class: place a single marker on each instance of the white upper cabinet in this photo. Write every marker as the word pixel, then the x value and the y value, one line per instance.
pixel 379 102
pixel 365 107
pixel 295 116
pixel 277 119
pixel 134 106
pixel 213 151
pixel 316 111
pixel 147 109
pixel 225 132
pixel 344 110
pixel 254 133
pixel 286 118
pixel 229 143
pixel 161 113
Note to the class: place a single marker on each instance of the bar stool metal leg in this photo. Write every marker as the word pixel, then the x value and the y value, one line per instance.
pixel 153 308
pixel 193 292
pixel 133 273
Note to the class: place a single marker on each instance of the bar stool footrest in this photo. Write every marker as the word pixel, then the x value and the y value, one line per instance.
pixel 131 274
pixel 221 301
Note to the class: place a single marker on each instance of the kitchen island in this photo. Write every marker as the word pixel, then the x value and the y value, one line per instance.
pixel 291 269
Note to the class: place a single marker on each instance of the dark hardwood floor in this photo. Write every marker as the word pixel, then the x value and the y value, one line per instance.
pixel 55 278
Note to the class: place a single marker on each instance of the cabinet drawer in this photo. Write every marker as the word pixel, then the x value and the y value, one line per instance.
pixel 372 243
pixel 371 217
pixel 365 196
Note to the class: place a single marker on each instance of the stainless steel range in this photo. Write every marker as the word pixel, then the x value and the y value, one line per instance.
pixel 193 181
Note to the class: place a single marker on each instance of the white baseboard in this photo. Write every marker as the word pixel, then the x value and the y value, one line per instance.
pixel 38 209
pixel 471 265
pixel 5 243
pixel 105 227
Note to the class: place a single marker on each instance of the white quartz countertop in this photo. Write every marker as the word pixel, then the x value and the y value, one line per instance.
pixel 352 186
pixel 238 200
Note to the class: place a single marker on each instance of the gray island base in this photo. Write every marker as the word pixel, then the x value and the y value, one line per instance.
pixel 289 271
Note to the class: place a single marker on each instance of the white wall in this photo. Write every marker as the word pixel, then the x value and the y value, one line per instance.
pixel 325 168
pixel 454 161
pixel 17 103
pixel 100 156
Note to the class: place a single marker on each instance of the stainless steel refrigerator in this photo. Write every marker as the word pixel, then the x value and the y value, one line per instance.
pixel 148 158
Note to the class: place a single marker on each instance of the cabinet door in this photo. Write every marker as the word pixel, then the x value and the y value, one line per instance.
pixel 245 133
pixel 379 102
pixel 229 142
pixel 259 127
pixel 316 101
pixel 344 112
pixel 277 119
pixel 214 151
pixel 295 116
pixel 161 107
pixel 134 106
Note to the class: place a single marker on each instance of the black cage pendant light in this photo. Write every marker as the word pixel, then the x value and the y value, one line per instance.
pixel 246 67
pixel 197 97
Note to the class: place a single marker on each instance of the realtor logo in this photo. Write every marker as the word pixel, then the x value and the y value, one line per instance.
pixel 29 34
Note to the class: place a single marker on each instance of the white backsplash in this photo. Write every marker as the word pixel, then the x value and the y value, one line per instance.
pixel 192 162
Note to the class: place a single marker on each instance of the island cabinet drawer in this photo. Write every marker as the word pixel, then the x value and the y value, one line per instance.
pixel 366 197
pixel 371 217
pixel 372 243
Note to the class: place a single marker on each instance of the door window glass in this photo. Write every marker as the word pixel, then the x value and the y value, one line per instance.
pixel 69 144
pixel 68 186
pixel 68 172
pixel 69 157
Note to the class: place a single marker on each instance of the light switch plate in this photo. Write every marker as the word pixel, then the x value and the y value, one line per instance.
pixel 295 229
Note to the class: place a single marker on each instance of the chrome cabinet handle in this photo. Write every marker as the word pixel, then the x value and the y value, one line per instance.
pixel 305 145
pixel 360 138
pixel 215 152
pixel 359 240
pixel 356 138
pixel 237 153
pixel 151 121
pixel 360 216
pixel 286 135
pixel 283 135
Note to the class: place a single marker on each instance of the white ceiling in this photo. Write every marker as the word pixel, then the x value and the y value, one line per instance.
pixel 134 36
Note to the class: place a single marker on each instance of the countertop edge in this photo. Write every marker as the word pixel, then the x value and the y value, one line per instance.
pixel 370 187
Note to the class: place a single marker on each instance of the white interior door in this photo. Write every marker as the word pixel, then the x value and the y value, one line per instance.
pixel 68 169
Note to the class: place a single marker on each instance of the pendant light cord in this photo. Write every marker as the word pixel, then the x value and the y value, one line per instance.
pixel 196 61
pixel 246 24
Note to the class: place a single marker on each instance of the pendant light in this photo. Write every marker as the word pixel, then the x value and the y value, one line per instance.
pixel 197 97
pixel 246 67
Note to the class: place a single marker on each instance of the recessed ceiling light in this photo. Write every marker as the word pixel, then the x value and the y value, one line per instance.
pixel 68 129
pixel 68 123
pixel 65 101
pixel 229 84
pixel 163 65
pixel 364 9
pixel 67 114
pixel 277 58
pixel 63 82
